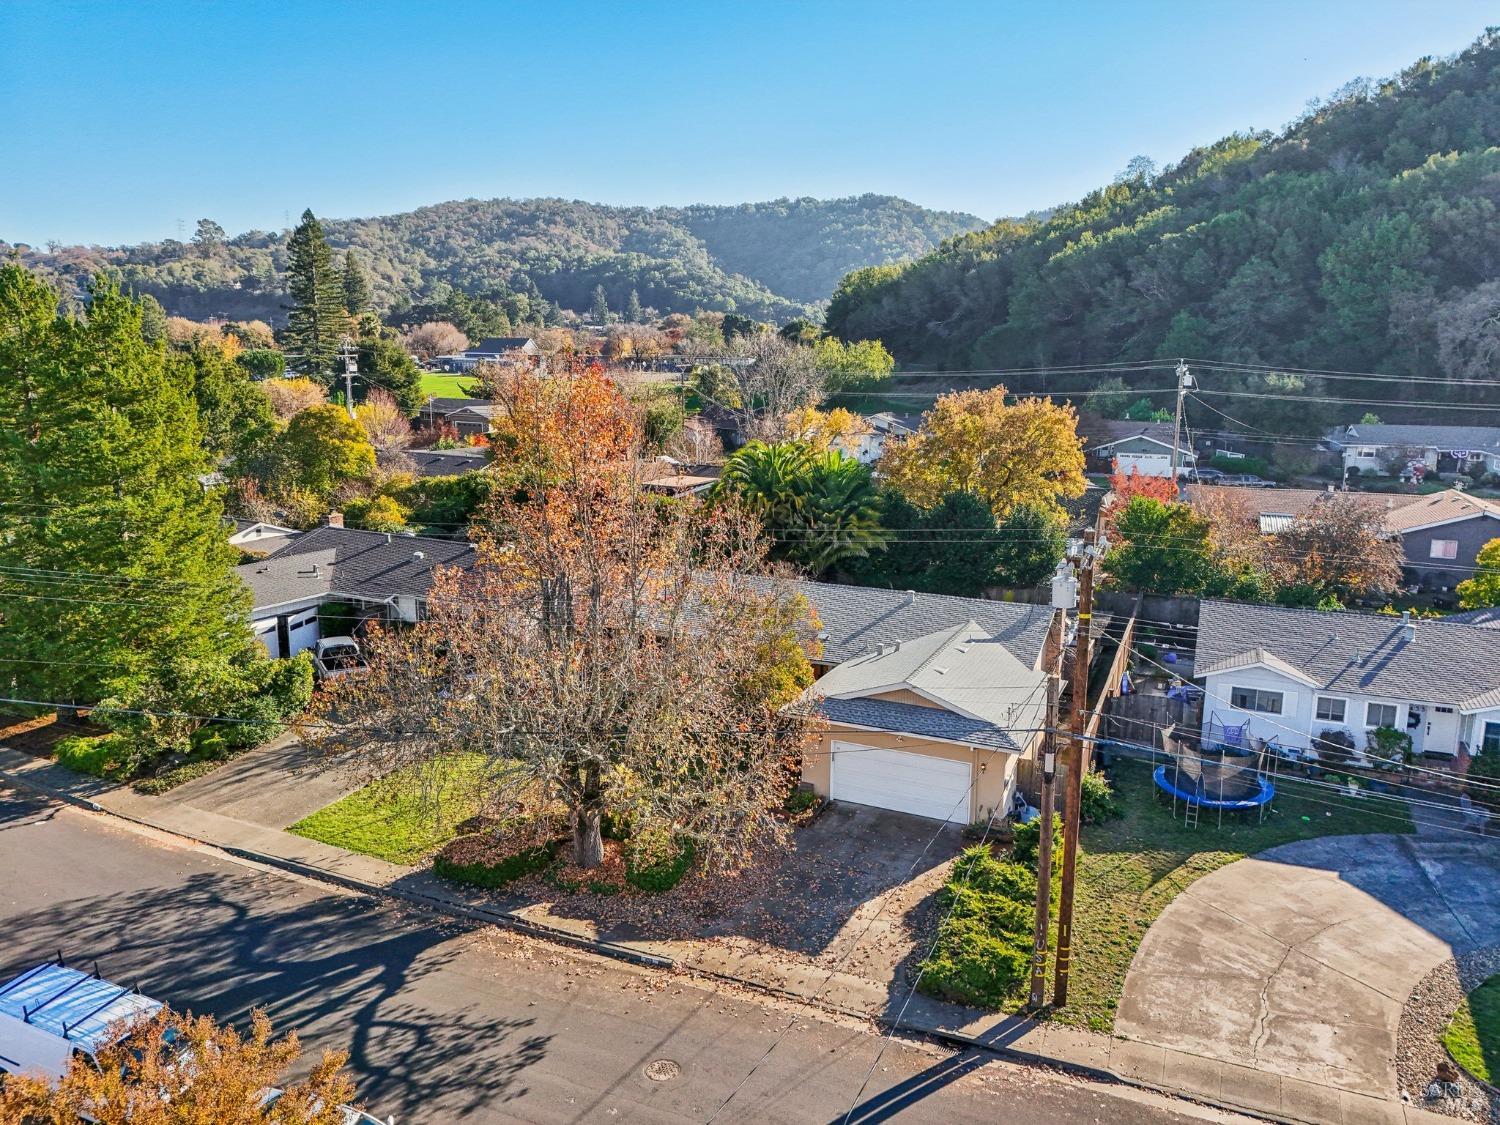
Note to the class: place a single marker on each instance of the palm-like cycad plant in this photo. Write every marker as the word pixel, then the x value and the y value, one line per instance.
pixel 818 508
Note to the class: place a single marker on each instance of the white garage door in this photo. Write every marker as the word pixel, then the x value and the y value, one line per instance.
pixel 893 779
pixel 1147 464
pixel 266 633
pixel 302 630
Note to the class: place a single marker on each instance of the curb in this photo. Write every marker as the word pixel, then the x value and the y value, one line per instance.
pixel 952 1039
pixel 322 875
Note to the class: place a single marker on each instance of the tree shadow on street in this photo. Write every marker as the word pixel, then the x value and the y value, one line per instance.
pixel 337 970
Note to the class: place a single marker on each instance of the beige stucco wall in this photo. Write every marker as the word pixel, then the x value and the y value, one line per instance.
pixel 996 768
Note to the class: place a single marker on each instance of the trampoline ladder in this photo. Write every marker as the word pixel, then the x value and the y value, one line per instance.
pixel 1190 817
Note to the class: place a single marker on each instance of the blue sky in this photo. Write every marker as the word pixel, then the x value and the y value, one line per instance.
pixel 121 118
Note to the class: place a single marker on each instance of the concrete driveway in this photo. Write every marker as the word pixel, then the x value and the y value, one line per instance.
pixel 273 785
pixel 1301 958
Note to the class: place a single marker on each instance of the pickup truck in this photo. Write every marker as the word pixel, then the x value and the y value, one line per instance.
pixel 336 656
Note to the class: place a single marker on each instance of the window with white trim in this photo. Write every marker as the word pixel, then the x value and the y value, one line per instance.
pixel 1330 710
pixel 1443 549
pixel 1255 699
pixel 1380 715
pixel 1491 741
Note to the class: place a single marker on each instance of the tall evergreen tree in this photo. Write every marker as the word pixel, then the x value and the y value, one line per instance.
pixel 114 567
pixel 599 310
pixel 633 313
pixel 356 286
pixel 318 318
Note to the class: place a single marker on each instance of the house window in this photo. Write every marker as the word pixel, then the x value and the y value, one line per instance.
pixel 1253 699
pixel 1443 549
pixel 1365 453
pixel 1380 714
pixel 1330 710
pixel 1491 743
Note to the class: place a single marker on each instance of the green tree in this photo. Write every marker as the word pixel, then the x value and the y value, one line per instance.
pixel 386 365
pixel 961 542
pixel 800 330
pixel 318 321
pixel 859 366
pixel 716 383
pixel 1483 589
pixel 262 363
pixel 599 309
pixel 115 560
pixel 233 412
pixel 1164 549
pixel 320 449
pixel 736 325
pixel 1031 544
pixel 633 313
pixel 356 286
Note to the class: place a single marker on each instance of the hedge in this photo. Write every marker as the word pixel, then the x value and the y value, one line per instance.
pixel 982 955
pixel 156 786
pixel 100 754
pixel 484 860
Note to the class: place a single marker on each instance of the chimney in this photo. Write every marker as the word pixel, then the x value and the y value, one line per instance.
pixel 333 519
pixel 1408 626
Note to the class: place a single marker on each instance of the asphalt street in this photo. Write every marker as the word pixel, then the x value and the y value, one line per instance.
pixel 448 1022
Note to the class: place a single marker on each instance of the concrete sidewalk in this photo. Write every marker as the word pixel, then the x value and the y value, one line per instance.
pixel 1262 1092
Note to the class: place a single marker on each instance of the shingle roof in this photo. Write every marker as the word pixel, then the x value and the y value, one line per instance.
pixel 929 722
pixel 1363 653
pixel 340 560
pixel 441 406
pixel 1437 437
pixel 1440 507
pixel 498 345
pixel 856 619
pixel 445 462
pixel 1097 432
pixel 962 668
pixel 1488 618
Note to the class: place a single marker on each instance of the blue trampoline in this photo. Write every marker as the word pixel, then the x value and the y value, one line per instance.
pixel 1220 778
pixel 1262 795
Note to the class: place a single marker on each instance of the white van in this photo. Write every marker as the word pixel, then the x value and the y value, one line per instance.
pixel 51 1012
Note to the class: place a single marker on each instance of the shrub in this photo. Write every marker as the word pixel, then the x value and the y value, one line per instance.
pixel 1334 747
pixel 1256 466
pixel 656 861
pixel 1099 802
pixel 1028 838
pixel 102 755
pixel 209 744
pixel 1483 776
pixel 155 786
pixel 1387 744
pixel 971 965
pixel 486 860
pixel 800 801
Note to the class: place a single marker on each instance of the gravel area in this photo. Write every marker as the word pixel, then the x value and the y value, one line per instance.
pixel 1419 1040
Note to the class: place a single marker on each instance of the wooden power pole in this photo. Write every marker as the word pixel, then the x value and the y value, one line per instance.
pixel 1077 766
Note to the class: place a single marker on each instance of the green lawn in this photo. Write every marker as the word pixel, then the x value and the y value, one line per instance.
pixel 1473 1038
pixel 403 817
pixel 1131 868
pixel 446 386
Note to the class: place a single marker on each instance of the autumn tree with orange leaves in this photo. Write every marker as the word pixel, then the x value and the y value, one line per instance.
pixel 612 654
pixel 213 1075
pixel 1127 486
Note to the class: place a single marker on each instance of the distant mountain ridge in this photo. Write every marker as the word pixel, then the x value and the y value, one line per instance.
pixel 772 260
pixel 1364 237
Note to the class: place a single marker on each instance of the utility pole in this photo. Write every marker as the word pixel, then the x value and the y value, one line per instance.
pixel 1184 382
pixel 1064 597
pixel 351 369
pixel 1077 765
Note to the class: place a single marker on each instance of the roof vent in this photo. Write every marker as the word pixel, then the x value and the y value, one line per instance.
pixel 418 555
pixel 911 597
pixel 1408 626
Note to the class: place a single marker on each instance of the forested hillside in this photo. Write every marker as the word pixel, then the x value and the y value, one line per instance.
pixel 768 260
pixel 1366 236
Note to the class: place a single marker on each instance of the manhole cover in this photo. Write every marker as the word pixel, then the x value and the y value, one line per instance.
pixel 662 1070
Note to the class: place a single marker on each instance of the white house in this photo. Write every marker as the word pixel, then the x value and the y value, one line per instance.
pixel 1375 448
pixel 380 575
pixel 1292 674
pixel 1145 447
